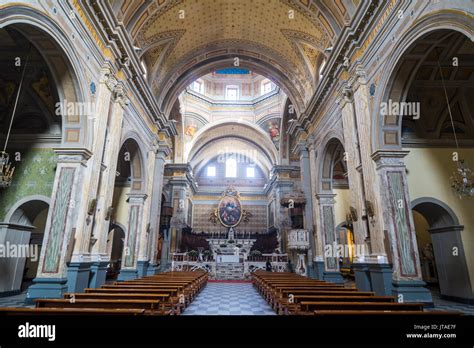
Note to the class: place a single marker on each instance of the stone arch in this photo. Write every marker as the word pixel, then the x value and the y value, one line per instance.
pixel 388 135
pixel 18 215
pixel 62 59
pixel 277 74
pixel 25 224
pixel 445 232
pixel 222 129
pixel 115 245
pixel 132 151
pixel 332 149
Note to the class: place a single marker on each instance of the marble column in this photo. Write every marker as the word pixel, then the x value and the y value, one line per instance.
pixel 318 259
pixel 129 268
pixel 356 189
pixel 80 265
pixel 282 185
pixel 162 152
pixel 329 238
pixel 308 208
pixel 179 186
pixel 392 238
pixel 397 216
pixel 99 255
pixel 373 271
pixel 60 229
pixel 146 227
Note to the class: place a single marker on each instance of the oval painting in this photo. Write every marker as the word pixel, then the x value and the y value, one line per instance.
pixel 230 211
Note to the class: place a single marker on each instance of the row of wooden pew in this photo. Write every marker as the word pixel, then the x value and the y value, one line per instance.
pixel 292 294
pixel 162 294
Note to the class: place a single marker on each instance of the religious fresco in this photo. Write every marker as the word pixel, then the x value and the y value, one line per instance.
pixel 191 127
pixel 230 210
pixel 272 127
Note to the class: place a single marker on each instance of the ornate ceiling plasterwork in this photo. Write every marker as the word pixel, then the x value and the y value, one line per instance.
pixel 261 27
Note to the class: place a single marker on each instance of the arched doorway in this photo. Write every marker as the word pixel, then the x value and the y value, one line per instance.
pixel 115 243
pixel 441 248
pixel 24 233
pixel 333 201
pixel 128 202
pixel 428 140
pixel 42 130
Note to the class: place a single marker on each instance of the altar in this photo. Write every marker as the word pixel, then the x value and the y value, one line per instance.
pixel 227 258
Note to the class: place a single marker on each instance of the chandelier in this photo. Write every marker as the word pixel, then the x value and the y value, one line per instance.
pixel 462 179
pixel 6 168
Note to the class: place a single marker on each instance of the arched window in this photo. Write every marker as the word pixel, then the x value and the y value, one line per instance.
pixel 231 168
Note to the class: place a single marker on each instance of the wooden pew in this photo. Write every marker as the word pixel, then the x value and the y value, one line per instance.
pixel 151 307
pixel 384 313
pixel 167 302
pixel 70 311
pixel 188 294
pixel 151 295
pixel 173 292
pixel 309 306
pixel 292 306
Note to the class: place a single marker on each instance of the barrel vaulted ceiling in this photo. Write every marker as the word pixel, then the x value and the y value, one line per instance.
pixel 282 39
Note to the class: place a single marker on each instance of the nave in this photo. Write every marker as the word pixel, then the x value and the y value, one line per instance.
pixel 309 160
pixel 191 293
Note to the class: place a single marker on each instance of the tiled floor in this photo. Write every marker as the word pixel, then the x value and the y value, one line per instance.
pixel 229 299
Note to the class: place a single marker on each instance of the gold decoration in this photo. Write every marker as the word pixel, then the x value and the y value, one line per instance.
pixel 213 216
pixel 246 215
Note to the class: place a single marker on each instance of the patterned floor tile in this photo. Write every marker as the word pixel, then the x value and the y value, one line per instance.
pixel 229 299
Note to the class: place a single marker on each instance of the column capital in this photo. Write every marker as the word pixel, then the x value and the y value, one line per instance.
pixel 345 95
pixel 161 149
pixel 301 149
pixel 325 198
pixel 120 95
pixel 137 197
pixel 107 77
pixel 360 75
pixel 310 142
pixel 389 158
pixel 73 155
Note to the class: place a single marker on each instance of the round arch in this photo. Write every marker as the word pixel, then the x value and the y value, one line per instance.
pixel 437 213
pixel 273 71
pixel 217 130
pixel 241 148
pixel 63 62
pixel 332 150
pixel 429 23
pixel 131 152
pixel 445 232
pixel 16 214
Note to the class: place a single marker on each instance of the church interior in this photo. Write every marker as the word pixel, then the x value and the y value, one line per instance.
pixel 237 157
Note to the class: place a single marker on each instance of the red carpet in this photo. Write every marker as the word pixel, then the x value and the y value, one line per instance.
pixel 229 281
